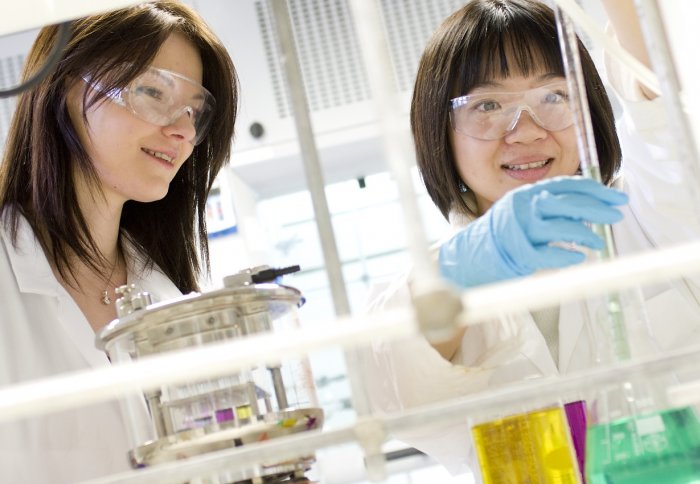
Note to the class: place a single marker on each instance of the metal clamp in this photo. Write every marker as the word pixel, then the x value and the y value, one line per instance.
pixel 257 275
pixel 130 300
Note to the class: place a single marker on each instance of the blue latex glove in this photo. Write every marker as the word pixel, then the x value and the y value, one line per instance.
pixel 512 238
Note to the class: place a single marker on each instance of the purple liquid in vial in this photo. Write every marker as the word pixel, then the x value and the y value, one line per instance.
pixel 576 417
pixel 224 415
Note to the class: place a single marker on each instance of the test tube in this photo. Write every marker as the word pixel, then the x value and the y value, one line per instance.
pixel 590 168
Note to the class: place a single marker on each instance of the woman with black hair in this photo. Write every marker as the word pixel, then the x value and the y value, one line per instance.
pixel 496 148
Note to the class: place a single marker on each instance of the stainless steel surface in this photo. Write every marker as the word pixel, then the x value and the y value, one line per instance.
pixel 195 319
pixel 130 300
pixel 278 385
pixel 159 423
pixel 200 416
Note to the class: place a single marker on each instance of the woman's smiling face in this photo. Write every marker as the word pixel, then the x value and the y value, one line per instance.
pixel 135 159
pixel 527 153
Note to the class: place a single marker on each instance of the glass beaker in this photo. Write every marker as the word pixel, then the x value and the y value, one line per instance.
pixel 533 447
pixel 635 437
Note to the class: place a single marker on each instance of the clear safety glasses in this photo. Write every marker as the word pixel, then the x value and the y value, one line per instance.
pixel 491 115
pixel 161 97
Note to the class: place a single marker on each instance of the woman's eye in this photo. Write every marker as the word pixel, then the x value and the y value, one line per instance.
pixel 555 97
pixel 487 106
pixel 150 91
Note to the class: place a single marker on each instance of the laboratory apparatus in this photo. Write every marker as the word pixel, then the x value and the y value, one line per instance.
pixel 535 446
pixel 260 403
pixel 635 436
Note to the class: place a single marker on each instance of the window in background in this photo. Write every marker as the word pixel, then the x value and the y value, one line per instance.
pixel 370 235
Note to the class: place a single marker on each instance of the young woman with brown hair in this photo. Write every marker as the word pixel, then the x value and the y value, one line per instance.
pixel 104 181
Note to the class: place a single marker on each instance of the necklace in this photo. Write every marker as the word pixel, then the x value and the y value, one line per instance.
pixel 105 298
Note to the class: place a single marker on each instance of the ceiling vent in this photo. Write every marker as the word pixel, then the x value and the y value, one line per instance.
pixel 329 53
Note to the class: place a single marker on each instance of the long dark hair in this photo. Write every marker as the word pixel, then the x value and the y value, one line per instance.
pixel 43 147
pixel 488 39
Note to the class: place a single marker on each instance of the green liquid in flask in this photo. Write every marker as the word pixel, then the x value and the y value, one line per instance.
pixel 532 448
pixel 655 448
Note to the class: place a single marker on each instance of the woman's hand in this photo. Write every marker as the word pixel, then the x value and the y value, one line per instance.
pixel 515 236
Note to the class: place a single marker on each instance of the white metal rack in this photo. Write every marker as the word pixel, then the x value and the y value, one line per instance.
pixel 77 389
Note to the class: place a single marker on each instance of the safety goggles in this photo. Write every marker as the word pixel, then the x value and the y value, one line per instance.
pixel 491 115
pixel 161 97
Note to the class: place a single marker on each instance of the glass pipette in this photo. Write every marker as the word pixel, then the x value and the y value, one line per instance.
pixel 588 159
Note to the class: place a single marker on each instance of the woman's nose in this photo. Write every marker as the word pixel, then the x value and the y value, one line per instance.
pixel 183 127
pixel 524 128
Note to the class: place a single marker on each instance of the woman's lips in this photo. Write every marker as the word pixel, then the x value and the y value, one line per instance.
pixel 528 172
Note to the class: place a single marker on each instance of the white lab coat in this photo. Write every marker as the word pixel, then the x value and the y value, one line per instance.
pixel 409 373
pixel 44 333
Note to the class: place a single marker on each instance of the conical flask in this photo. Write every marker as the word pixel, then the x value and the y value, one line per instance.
pixel 634 436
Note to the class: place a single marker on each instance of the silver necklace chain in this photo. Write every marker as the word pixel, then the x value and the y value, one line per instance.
pixel 105 297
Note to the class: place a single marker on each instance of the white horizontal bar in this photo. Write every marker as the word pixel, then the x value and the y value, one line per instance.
pixel 81 388
pixel 685 394
pixel 29 14
pixel 274 450
pixel 578 282
pixel 504 400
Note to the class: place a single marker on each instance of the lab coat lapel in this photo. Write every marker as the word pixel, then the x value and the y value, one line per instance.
pixel 79 329
pixel 535 347
pixel 29 264
pixel 34 276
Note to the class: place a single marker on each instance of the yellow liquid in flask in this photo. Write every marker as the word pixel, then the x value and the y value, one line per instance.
pixel 531 448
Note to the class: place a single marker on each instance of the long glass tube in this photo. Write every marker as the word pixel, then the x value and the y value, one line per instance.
pixel 630 418
pixel 590 167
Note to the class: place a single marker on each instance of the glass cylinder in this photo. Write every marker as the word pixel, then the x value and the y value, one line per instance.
pixel 634 436
pixel 534 447
pixel 250 405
